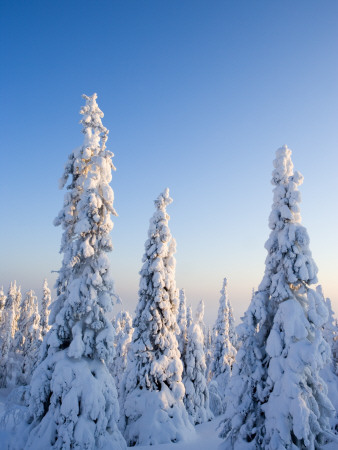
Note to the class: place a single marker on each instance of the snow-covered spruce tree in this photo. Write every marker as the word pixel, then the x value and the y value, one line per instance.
pixel 182 322
pixel 30 325
pixel 330 331
pixel 124 332
pixel 329 371
pixel 7 333
pixel 73 400
pixel 196 397
pixel 199 319
pixel 154 412
pixel 208 353
pixel 2 301
pixel 189 316
pixel 17 306
pixel 224 353
pixel 45 304
pixel 277 399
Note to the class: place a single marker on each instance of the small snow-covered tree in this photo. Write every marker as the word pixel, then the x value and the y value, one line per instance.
pixel 189 316
pixel 17 306
pixel 154 412
pixel 2 302
pixel 209 353
pixel 276 396
pixel 199 319
pixel 224 352
pixel 123 337
pixel 196 397
pixel 7 333
pixel 73 400
pixel 182 322
pixel 329 329
pixel 27 340
pixel 45 304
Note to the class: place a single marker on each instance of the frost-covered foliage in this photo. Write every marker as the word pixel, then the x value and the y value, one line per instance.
pixel 209 353
pixel 199 320
pixel 330 330
pixel 224 352
pixel 8 327
pixel 329 371
pixel 29 336
pixel 124 332
pixel 154 412
pixel 45 304
pixel 182 322
pixel 196 397
pixel 277 399
pixel 2 303
pixel 189 316
pixel 73 401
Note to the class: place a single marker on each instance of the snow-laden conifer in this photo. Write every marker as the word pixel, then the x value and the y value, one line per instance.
pixel 124 331
pixel 7 334
pixel 45 304
pixel 224 352
pixel 182 322
pixel 276 396
pixel 209 352
pixel 196 397
pixel 73 400
pixel 2 300
pixel 199 319
pixel 27 339
pixel 189 316
pixel 154 412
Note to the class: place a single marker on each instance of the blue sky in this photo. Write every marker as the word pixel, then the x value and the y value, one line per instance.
pixel 197 96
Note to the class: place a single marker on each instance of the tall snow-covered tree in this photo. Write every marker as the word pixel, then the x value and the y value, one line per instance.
pixel 7 333
pixel 154 412
pixel 276 396
pixel 73 399
pixel 45 304
pixel 182 322
pixel 196 397
pixel 224 352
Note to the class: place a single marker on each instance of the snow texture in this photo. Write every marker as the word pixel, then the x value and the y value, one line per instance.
pixel 154 411
pixel 196 397
pixel 224 352
pixel 276 397
pixel 45 308
pixel 73 401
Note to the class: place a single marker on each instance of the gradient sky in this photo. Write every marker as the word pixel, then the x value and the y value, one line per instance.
pixel 197 96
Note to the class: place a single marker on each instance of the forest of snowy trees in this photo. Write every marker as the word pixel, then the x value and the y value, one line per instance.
pixel 80 376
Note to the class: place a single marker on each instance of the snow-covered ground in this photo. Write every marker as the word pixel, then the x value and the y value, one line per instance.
pixel 206 437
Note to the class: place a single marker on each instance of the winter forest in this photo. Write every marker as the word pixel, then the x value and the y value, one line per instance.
pixel 76 374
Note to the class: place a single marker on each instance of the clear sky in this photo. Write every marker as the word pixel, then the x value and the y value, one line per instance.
pixel 197 96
